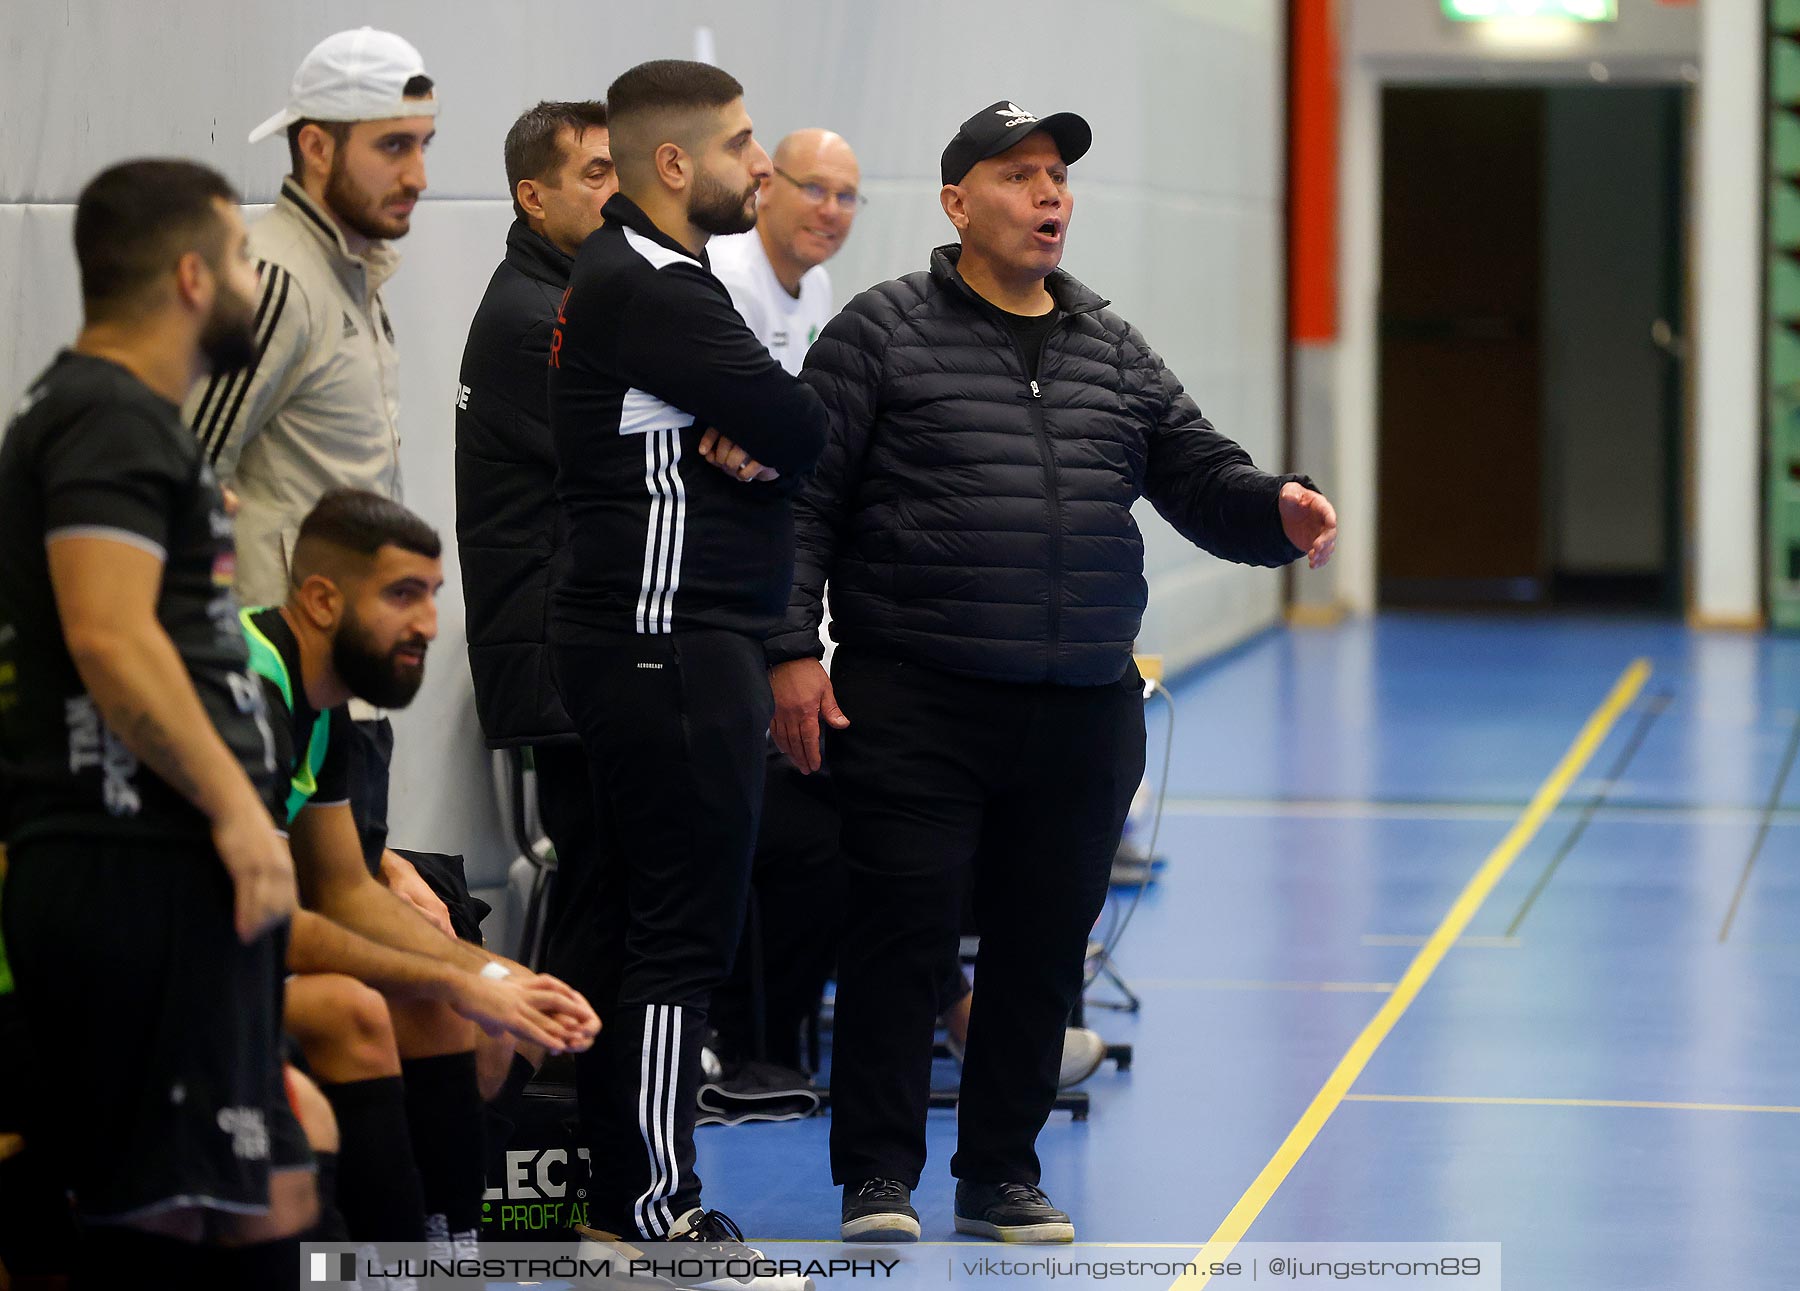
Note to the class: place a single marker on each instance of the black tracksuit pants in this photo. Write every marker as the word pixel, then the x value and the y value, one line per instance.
pixel 674 727
pixel 566 803
pixel 1021 791
pixel 790 945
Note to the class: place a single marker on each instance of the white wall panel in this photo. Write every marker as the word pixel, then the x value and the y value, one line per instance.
pixel 40 308
pixel 1727 332
pixel 1178 208
pixel 442 795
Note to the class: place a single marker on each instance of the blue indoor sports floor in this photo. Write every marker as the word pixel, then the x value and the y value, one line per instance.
pixel 1602 1074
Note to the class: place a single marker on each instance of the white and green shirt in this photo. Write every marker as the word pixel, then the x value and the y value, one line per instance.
pixel 786 325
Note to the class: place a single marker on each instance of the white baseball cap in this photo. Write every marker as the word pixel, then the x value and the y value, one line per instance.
pixel 352 76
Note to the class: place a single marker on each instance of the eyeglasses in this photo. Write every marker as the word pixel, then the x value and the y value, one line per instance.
pixel 848 199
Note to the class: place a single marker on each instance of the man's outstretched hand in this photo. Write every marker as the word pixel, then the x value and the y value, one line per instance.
pixel 1310 522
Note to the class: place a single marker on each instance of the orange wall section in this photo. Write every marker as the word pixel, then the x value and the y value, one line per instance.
pixel 1312 171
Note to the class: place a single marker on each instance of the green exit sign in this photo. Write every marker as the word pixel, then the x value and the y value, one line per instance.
pixel 1567 10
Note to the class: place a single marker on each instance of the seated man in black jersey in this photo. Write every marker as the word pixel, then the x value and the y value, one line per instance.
pixel 359 618
pixel 147 892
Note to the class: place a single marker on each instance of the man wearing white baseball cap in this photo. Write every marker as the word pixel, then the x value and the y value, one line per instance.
pixel 319 409
pixel 361 75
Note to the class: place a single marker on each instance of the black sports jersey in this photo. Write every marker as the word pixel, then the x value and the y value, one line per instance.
pixel 92 451
pixel 304 779
pixel 647 354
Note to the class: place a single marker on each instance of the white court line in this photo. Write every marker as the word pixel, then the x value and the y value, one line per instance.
pixel 1357 809
pixel 1239 984
pixel 1634 1104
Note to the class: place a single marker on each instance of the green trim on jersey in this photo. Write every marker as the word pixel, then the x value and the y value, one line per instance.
pixel 266 661
pixel 6 977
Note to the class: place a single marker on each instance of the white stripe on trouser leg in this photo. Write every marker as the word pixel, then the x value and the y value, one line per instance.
pixel 665 1094
pixel 652 524
pixel 679 491
pixel 669 1130
pixel 648 1122
pixel 657 1095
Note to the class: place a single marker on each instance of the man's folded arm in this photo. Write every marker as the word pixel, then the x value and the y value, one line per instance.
pixel 686 345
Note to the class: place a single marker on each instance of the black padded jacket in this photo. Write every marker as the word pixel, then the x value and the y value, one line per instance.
pixel 510 535
pixel 977 521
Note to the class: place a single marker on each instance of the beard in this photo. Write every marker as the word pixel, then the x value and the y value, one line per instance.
pixel 228 338
pixel 372 674
pixel 357 209
pixel 721 211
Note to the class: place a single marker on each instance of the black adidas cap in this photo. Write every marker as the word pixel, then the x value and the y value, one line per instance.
pixel 999 126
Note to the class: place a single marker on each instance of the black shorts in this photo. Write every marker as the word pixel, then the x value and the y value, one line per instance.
pixel 156 1031
pixel 37 1233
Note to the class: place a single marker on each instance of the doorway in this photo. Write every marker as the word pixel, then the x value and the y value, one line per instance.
pixel 1531 383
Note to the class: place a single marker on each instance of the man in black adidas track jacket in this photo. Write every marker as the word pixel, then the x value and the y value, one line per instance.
pixel 678 569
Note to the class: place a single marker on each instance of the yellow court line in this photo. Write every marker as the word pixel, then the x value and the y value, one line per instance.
pixel 1350 1066
pixel 1476 1100
pixel 1408 939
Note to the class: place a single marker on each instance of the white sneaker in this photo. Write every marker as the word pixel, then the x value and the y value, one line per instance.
pixel 727 1263
pixel 704 1251
pixel 1083 1052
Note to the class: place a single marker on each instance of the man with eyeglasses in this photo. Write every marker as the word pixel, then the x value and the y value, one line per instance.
pixel 777 279
pixel 776 272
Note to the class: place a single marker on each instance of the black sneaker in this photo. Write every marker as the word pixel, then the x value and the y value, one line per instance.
pixel 879 1210
pixel 1009 1212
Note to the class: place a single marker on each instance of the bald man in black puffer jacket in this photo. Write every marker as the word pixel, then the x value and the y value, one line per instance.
pixel 992 423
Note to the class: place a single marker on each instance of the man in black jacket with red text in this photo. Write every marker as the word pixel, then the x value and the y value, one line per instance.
pixel 992 424
pixel 677 573
pixel 510 535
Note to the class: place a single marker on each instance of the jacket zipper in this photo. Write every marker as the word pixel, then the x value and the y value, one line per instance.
pixel 1052 480
pixel 372 312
